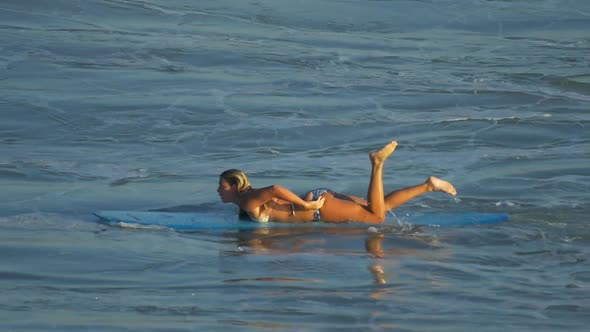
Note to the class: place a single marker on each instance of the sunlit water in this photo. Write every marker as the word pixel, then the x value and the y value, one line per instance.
pixel 137 105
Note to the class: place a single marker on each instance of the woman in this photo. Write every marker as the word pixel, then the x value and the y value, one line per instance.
pixel 276 203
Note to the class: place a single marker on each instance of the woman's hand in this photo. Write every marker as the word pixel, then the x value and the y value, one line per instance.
pixel 315 205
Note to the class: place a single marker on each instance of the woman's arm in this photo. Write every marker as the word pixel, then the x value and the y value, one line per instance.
pixel 261 196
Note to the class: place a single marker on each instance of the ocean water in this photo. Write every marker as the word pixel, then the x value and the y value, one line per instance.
pixel 140 104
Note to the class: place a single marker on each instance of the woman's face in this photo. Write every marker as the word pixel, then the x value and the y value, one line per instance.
pixel 226 191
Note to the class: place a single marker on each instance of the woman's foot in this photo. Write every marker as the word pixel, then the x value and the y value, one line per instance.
pixel 379 156
pixel 436 184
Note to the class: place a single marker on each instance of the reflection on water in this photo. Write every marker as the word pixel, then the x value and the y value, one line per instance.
pixel 342 242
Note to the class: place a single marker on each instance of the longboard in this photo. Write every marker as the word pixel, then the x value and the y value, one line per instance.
pixel 212 221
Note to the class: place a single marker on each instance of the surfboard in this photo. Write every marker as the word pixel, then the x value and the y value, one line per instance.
pixel 212 221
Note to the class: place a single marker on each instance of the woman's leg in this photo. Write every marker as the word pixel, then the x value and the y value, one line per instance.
pixel 339 207
pixel 375 195
pixel 401 196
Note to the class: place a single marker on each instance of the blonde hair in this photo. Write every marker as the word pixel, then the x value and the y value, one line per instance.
pixel 237 178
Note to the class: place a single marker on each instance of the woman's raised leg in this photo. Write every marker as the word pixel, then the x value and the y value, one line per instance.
pixel 401 196
pixel 338 207
pixel 375 195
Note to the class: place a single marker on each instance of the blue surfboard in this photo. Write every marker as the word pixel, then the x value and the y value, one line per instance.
pixel 212 221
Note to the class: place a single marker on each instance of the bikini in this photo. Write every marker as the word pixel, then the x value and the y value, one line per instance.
pixel 317 193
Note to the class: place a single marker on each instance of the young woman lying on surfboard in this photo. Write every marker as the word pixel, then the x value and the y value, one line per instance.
pixel 276 203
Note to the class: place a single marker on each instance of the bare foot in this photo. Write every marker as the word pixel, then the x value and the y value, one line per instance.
pixel 380 156
pixel 436 184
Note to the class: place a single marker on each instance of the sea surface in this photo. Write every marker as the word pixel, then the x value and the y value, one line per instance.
pixel 140 104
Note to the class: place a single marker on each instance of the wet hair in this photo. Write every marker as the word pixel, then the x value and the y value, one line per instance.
pixel 237 178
